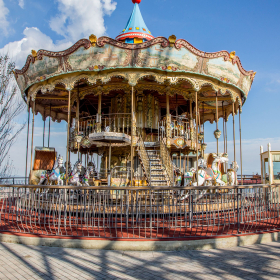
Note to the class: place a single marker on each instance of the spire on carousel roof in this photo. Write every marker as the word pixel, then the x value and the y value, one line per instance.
pixel 136 30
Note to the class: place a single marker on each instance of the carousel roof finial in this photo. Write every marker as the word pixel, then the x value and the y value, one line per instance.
pixel 136 31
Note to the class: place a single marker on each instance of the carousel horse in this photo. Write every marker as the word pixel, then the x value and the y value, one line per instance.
pixel 214 173
pixel 231 175
pixel 74 178
pixel 55 175
pixel 80 176
pixel 90 171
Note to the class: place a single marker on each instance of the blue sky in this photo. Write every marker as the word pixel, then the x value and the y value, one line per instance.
pixel 251 28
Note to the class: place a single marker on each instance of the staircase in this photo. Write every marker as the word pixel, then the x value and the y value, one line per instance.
pixel 154 169
pixel 158 175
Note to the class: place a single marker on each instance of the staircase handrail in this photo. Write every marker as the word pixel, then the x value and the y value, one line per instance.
pixel 167 161
pixel 144 156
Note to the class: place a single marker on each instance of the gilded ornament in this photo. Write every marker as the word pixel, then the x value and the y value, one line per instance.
pixel 34 54
pixel 93 40
pixel 172 40
pixel 232 55
pixel 200 136
pixel 203 146
pixel 217 134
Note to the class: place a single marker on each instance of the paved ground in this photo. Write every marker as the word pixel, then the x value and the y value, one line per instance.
pixel 30 262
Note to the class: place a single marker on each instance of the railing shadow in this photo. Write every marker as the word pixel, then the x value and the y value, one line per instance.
pixel 253 262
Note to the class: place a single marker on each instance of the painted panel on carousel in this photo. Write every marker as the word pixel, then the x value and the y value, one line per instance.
pixel 98 58
pixel 223 70
pixel 167 59
pixel 42 69
pixel 246 84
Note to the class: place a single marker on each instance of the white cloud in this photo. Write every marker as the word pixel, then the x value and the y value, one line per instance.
pixel 33 39
pixel 80 18
pixel 4 24
pixel 21 3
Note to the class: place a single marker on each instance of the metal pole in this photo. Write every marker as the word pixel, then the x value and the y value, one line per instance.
pixel 49 127
pixel 44 129
pixel 132 119
pixel 27 142
pixel 110 156
pixel 217 120
pixel 32 140
pixel 196 110
pixel 224 137
pixel 180 161
pixel 69 120
pixel 240 145
pixel 203 128
pixel 233 122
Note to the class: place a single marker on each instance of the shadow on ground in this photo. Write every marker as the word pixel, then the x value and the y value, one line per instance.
pixel 37 262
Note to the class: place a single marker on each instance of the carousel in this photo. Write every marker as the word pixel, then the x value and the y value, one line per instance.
pixel 135 107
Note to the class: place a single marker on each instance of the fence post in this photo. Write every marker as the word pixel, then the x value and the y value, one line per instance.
pixel 150 172
pixel 238 212
pixel 191 209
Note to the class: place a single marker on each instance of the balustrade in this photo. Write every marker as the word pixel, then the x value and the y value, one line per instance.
pixel 120 123
pixel 179 127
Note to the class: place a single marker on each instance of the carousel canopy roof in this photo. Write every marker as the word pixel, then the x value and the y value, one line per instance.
pixel 136 27
pixel 110 67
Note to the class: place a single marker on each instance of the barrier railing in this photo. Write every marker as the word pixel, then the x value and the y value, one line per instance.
pixel 139 213
pixel 167 161
pixel 119 122
pixel 179 127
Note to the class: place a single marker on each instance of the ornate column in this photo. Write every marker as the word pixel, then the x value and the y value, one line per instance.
pixel 191 125
pixel 240 145
pixel 109 171
pixel 49 127
pixel 68 136
pixel 196 123
pixel 217 132
pixel 99 112
pixel 28 123
pixel 31 159
pixel 168 122
pixel 133 124
pixel 44 129
pixel 234 151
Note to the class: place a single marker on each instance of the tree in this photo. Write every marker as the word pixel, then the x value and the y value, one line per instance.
pixel 11 105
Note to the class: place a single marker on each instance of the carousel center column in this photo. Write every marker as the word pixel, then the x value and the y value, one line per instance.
pixel 68 136
pixel 168 122
pixel 98 119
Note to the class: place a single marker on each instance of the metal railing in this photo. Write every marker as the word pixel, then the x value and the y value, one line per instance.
pixel 140 213
pixel 144 157
pixel 249 179
pixel 167 161
pixel 179 127
pixel 14 180
pixel 106 123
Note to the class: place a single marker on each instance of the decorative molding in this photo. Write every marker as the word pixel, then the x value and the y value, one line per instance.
pixel 225 54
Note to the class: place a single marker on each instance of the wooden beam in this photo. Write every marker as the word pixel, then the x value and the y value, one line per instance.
pixel 52 98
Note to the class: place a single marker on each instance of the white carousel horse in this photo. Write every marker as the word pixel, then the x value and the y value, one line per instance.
pixel 214 175
pixel 75 174
pixel 231 175
pixel 56 175
pixel 79 177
